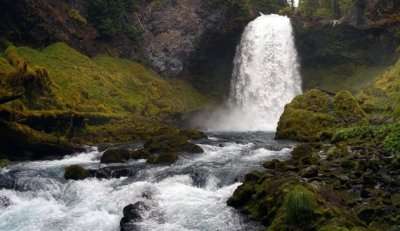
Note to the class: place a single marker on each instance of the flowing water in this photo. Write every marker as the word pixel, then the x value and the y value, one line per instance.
pixel 188 195
pixel 265 77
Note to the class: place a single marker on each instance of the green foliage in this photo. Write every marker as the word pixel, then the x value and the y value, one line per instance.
pixel 325 8
pixel 391 143
pixel 362 132
pixel 74 14
pixel 299 205
pixel 243 9
pixel 110 17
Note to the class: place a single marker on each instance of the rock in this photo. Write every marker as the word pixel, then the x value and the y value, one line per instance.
pixel 20 142
pixel 4 202
pixel 315 114
pixel 7 181
pixel 76 172
pixel 4 163
pixel 193 134
pixel 131 214
pixel 306 117
pixel 274 164
pixel 163 158
pixel 302 150
pixel 113 172
pixel 115 155
pixel 165 148
pixel 347 110
pixel 253 176
pixel 309 172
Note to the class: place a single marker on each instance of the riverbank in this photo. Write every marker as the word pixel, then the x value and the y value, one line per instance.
pixel 60 98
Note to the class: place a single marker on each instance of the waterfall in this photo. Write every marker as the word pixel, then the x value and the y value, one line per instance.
pixel 265 77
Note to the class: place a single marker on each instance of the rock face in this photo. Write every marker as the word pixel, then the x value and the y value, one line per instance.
pixel 174 29
pixel 170 31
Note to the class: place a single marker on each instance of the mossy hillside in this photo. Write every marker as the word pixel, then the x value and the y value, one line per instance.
pixel 351 77
pixel 109 85
pixel 383 96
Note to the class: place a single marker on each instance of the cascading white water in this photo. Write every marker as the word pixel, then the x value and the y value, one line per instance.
pixel 265 77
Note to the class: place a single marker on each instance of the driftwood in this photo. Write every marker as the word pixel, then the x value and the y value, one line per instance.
pixel 9 98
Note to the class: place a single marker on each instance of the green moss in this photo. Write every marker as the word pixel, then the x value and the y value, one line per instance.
pixel 18 139
pixel 303 125
pixel 391 142
pixel 74 14
pixel 316 116
pixel 347 109
pixel 300 204
pixel 109 85
pixel 75 172
pixel 4 163
pixel 313 100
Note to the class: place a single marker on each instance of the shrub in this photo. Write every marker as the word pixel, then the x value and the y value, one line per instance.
pixel 110 17
pixel 391 143
pixel 74 14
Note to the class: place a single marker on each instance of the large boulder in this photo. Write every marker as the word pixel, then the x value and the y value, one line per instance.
pixel 133 213
pixel 315 115
pixel 75 172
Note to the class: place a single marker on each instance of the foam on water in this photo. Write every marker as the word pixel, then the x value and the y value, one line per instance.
pixel 189 195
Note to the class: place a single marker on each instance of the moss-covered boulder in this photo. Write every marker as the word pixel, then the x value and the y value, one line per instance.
pixel 306 117
pixel 315 115
pixel 4 163
pixel 347 110
pixel 75 172
pixel 19 142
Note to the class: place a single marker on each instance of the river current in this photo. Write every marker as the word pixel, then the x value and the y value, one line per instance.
pixel 188 195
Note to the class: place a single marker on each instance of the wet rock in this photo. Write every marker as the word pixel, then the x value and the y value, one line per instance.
pixel 163 158
pixel 311 171
pixel 4 202
pixel 193 134
pixel 3 163
pixel 131 214
pixel 7 181
pixel 253 176
pixel 115 155
pixel 274 164
pixel 76 172
pixel 115 172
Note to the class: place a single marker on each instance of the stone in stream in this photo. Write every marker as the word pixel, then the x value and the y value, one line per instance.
pixel 132 213
pixel 4 202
